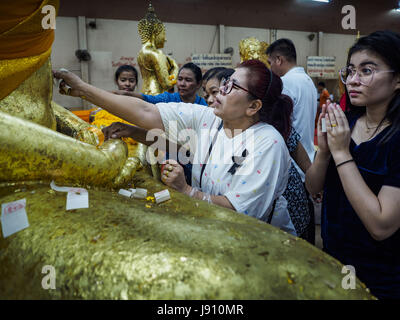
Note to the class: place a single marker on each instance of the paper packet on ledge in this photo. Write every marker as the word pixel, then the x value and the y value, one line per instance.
pixel 138 193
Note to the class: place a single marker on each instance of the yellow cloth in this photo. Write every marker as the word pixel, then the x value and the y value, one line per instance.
pixel 24 45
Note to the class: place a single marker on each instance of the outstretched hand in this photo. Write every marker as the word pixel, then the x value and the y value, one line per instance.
pixel 118 130
pixel 70 83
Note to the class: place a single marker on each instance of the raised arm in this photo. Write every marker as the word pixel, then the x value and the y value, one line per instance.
pixel 128 93
pixel 134 110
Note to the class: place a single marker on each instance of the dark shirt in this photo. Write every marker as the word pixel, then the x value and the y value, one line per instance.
pixel 377 263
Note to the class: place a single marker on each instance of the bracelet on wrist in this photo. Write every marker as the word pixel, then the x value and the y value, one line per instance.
pixel 338 165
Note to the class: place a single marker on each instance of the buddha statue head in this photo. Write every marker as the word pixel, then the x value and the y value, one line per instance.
pixel 151 28
pixel 252 48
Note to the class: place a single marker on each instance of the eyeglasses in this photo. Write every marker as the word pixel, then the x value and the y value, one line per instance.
pixel 365 74
pixel 228 84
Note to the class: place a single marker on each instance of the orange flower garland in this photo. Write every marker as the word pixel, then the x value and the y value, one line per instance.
pixel 103 119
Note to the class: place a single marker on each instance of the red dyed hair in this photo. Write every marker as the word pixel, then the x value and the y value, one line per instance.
pixel 276 107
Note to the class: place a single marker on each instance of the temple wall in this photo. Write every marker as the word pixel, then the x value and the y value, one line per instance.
pixel 116 42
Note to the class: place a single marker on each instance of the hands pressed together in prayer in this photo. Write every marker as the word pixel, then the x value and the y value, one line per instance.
pixel 336 139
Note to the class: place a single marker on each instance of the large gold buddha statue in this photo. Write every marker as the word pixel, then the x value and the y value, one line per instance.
pixel 252 48
pixel 159 72
pixel 123 248
pixel 30 147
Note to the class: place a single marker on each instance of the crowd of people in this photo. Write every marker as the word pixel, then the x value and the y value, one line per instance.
pixel 255 153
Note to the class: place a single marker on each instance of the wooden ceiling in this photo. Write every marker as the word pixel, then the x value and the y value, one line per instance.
pixel 301 15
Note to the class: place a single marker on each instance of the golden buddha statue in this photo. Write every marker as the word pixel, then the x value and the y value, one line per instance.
pixel 252 48
pixel 30 148
pixel 123 248
pixel 159 72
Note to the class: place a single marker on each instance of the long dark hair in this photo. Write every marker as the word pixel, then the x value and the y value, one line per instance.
pixel 386 44
pixel 276 107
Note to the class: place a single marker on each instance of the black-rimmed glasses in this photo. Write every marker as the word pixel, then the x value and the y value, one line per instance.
pixel 228 84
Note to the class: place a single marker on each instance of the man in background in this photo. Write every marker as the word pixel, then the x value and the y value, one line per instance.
pixel 298 86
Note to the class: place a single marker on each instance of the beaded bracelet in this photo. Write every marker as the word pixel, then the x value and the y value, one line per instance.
pixel 338 165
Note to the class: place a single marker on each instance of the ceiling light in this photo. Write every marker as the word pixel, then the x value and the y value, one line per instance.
pixel 326 1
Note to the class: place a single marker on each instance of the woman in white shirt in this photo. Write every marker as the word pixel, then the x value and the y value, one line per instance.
pixel 240 160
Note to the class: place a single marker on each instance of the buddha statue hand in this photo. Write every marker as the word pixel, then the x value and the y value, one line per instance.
pixel 127 172
pixel 91 135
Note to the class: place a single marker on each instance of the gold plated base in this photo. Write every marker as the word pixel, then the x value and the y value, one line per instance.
pixel 123 248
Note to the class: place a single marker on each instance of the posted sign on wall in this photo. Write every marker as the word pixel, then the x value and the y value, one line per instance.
pixel 211 60
pixel 321 67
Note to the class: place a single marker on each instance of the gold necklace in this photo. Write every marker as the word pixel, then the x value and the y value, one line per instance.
pixel 370 128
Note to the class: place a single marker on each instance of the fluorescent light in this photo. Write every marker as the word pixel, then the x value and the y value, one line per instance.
pixel 326 1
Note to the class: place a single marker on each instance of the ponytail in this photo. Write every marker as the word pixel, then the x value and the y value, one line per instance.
pixel 279 115
pixel 276 107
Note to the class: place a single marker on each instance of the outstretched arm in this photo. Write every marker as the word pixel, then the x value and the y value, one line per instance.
pixel 134 110
pixel 120 130
pixel 128 93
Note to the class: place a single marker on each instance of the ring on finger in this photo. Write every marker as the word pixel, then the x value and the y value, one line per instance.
pixel 166 173
pixel 333 125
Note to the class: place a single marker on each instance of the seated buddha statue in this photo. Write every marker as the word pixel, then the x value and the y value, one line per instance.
pixel 39 139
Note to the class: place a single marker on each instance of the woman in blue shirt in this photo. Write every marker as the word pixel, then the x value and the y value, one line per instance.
pixel 358 166
pixel 188 83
